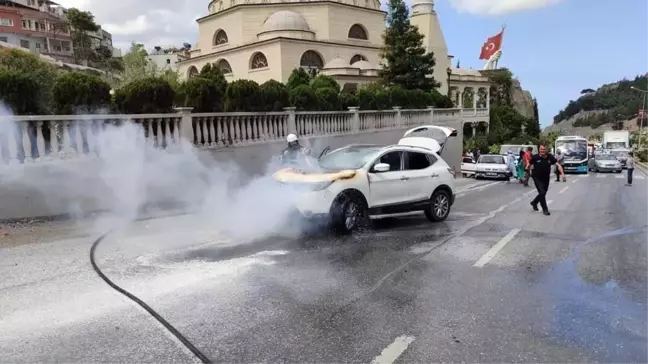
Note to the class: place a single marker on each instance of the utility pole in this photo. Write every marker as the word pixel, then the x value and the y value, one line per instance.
pixel 643 113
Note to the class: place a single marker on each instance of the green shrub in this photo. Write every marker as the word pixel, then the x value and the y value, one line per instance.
pixel 304 98
pixel 323 82
pixel 418 99
pixel 20 92
pixel 203 94
pixel 80 93
pixel 243 95
pixel 145 95
pixel 642 155
pixel 327 99
pixel 44 73
pixel 441 101
pixel 347 99
pixel 275 96
pixel 298 77
pixel 398 97
pixel 366 97
pixel 212 72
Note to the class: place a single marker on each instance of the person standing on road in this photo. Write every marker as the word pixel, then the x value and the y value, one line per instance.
pixel 520 167
pixel 527 165
pixel 541 172
pixel 630 162
pixel 511 164
pixel 561 161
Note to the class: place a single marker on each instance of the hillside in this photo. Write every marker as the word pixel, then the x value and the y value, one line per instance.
pixel 604 107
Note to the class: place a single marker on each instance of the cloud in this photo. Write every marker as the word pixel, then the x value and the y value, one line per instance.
pixel 499 7
pixel 160 22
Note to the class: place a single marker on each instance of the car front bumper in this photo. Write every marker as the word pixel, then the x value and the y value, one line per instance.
pixel 314 204
pixel 609 168
pixel 493 174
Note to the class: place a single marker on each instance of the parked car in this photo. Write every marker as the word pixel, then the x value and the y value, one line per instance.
pixel 468 166
pixel 604 162
pixel 357 181
pixel 492 166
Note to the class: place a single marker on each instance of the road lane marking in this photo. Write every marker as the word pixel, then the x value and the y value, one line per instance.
pixel 490 254
pixel 582 176
pixel 574 181
pixel 619 176
pixel 549 202
pixel 563 190
pixel 394 350
pixel 600 176
pixel 639 177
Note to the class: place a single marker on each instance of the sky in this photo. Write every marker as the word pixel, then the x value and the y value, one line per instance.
pixel 555 48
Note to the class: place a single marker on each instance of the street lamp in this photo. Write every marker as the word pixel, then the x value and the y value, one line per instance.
pixel 643 113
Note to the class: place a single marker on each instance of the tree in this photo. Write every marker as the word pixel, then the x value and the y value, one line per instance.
pixel 77 92
pixel 19 61
pixel 80 23
pixel 407 63
pixel 136 64
pixel 298 77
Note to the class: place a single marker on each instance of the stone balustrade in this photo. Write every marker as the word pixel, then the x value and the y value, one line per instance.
pixel 29 139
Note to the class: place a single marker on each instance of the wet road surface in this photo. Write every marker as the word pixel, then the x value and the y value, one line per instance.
pixel 496 282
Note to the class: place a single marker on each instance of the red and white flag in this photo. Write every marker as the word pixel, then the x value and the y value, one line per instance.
pixel 492 45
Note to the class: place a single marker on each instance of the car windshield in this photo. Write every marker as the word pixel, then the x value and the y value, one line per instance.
pixel 491 159
pixel 572 149
pixel 619 153
pixel 605 157
pixel 351 157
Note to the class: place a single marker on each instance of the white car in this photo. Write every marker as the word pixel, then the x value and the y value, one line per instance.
pixel 357 181
pixel 492 166
pixel 468 166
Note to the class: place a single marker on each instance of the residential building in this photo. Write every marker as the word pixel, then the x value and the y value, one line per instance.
pixel 167 59
pixel 37 28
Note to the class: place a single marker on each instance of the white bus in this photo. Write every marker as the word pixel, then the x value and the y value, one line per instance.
pixel 575 150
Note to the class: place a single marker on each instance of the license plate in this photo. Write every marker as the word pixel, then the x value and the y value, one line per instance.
pixel 491 174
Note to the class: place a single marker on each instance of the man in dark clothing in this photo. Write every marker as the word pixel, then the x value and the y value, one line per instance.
pixel 540 166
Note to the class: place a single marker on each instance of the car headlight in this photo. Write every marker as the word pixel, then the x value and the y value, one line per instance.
pixel 318 186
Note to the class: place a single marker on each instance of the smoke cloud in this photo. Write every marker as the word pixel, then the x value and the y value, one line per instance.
pixel 129 173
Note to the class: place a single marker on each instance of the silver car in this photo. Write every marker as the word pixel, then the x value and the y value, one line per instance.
pixel 605 163
pixel 492 166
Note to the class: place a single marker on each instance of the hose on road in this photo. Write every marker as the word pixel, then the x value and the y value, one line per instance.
pixel 143 304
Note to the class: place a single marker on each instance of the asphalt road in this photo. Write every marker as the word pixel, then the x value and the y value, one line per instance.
pixel 496 282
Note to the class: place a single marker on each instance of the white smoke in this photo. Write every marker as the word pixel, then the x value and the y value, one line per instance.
pixel 130 173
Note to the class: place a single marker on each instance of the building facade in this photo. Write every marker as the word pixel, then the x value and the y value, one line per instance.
pixel 266 39
pixel 41 27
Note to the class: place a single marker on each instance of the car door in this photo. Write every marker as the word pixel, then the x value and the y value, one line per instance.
pixel 385 187
pixel 420 176
pixel 468 166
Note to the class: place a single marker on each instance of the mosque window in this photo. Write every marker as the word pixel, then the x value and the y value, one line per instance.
pixel 311 59
pixel 220 37
pixel 357 31
pixel 193 71
pixel 224 67
pixel 357 58
pixel 259 60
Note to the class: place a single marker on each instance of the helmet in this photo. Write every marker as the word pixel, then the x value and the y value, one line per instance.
pixel 291 138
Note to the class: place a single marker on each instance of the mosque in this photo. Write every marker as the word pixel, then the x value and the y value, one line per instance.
pixel 261 40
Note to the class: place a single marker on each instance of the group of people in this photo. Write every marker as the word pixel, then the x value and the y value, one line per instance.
pixel 521 168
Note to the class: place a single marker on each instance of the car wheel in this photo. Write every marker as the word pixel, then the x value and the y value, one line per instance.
pixel 465 175
pixel 439 208
pixel 348 214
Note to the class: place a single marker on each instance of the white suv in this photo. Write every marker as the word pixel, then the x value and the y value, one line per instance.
pixel 357 181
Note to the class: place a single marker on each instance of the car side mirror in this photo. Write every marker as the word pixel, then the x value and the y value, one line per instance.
pixel 381 167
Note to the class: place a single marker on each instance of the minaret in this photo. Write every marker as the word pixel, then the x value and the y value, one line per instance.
pixel 425 18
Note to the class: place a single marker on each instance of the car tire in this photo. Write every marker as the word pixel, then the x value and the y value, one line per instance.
pixel 465 175
pixel 348 213
pixel 439 207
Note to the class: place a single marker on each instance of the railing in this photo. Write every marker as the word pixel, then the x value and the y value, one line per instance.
pixel 28 139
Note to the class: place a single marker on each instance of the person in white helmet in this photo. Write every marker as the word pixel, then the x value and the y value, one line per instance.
pixel 294 153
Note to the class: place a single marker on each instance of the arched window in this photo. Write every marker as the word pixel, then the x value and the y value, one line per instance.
pixel 357 58
pixel 224 67
pixel 193 71
pixel 311 59
pixel 220 37
pixel 259 60
pixel 357 31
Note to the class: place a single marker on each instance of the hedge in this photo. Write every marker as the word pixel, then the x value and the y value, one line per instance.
pixel 49 91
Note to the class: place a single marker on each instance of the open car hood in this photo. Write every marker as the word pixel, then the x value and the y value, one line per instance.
pixel 293 175
pixel 431 137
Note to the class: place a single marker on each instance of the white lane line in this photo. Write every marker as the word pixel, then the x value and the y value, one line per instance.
pixel 574 181
pixel 394 350
pixel 563 190
pixel 529 193
pixel 639 177
pixel 549 202
pixel 490 254
pixel 619 176
pixel 600 176
pixel 583 176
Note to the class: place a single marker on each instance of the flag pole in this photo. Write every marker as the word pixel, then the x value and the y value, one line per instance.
pixel 502 44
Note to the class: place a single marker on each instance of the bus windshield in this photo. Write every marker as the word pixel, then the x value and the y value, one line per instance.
pixel 575 150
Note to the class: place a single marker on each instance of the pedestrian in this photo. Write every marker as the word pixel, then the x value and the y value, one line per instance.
pixel 520 167
pixel 561 160
pixel 527 165
pixel 630 162
pixel 541 173
pixel 510 161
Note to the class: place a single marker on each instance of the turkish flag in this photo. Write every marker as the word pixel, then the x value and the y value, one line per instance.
pixel 492 45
